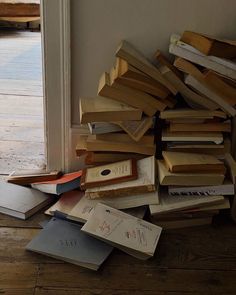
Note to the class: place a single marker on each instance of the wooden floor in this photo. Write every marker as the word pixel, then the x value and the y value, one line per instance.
pixel 21 101
pixel 200 260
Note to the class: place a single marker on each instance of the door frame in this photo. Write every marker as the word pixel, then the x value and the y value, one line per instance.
pixel 56 52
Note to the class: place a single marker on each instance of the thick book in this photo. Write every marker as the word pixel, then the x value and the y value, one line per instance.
pixel 64 240
pixel 187 179
pixel 21 202
pixel 137 60
pixel 225 189
pixel 133 97
pixel 102 109
pixel 146 182
pixel 170 203
pixel 193 163
pixel 210 45
pixel 132 235
pixel 67 182
pixel 223 66
pixel 108 174
pixel 215 137
pixel 83 209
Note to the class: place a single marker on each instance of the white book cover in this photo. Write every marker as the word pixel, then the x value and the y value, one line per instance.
pixel 84 208
pixel 170 203
pixel 146 178
pixel 220 65
pixel 225 189
pixel 134 236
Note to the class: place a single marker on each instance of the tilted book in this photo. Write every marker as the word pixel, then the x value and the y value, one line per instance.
pixel 132 235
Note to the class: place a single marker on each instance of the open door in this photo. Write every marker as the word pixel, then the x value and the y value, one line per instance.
pixel 55 15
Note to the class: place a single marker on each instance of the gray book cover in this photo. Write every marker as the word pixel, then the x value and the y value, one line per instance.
pixel 64 240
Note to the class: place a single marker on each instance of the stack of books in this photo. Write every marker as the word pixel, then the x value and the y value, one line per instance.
pixel 193 188
pixel 121 118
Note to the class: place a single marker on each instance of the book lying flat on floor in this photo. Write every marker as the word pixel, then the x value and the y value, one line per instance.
pixel 21 202
pixel 145 183
pixel 176 203
pixel 210 45
pixel 61 185
pixel 187 179
pixel 83 209
pixel 64 240
pixel 134 236
pixel 190 162
pixel 102 109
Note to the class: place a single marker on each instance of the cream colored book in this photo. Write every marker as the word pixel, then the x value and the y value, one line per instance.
pixel 145 183
pixel 201 87
pixel 170 203
pixel 137 60
pixel 187 179
pixel 84 208
pixel 215 137
pixel 193 163
pixel 132 235
pixel 102 109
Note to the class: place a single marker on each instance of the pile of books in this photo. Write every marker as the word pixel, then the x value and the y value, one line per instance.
pixel 159 147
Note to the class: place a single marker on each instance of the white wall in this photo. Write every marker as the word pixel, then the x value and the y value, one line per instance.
pixel 98 26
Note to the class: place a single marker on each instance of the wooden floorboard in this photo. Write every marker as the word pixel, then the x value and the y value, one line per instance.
pixel 21 99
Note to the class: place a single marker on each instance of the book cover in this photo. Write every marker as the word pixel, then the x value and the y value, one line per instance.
pixel 130 234
pixel 64 240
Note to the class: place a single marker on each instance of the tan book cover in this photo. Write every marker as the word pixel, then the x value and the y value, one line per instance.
pixel 132 235
pixel 146 182
pixel 109 174
pixel 102 109
pixel 204 127
pixel 193 163
pixel 187 179
pixel 109 157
